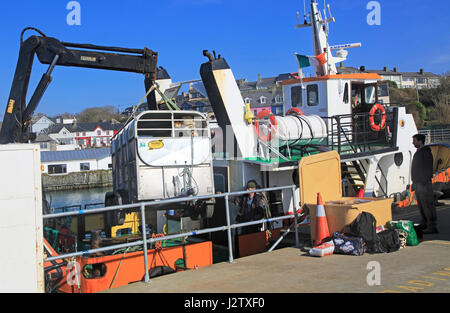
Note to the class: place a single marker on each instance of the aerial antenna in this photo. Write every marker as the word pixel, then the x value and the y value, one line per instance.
pixel 305 16
pixel 304 11
pixel 327 29
pixel 329 11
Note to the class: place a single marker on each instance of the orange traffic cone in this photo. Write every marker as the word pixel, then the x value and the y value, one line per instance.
pixel 322 232
pixel 323 245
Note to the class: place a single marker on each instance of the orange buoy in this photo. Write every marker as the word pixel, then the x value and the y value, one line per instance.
pixel 373 126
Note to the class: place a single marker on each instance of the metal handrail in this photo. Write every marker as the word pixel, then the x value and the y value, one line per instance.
pixel 146 240
pixel 436 135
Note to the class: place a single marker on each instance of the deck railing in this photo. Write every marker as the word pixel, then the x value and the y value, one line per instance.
pixel 438 135
pixel 148 205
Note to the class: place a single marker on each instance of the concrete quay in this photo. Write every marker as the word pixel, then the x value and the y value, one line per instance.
pixel 414 269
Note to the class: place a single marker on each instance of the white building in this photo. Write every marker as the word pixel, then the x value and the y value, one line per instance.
pixel 64 162
pixel 63 136
pixel 84 135
pixel 419 80
pixel 40 123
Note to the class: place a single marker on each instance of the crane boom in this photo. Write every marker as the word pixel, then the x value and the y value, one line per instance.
pixel 51 51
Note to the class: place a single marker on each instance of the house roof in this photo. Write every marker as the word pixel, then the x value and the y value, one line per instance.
pixel 70 155
pixel 256 98
pixel 37 118
pixel 83 127
pixel 42 137
pixel 286 76
pixel 264 83
pixel 349 69
pixel 417 74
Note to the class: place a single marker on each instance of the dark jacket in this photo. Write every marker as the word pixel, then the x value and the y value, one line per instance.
pixel 252 212
pixel 422 166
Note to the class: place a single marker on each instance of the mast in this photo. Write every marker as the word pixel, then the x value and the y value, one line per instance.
pixel 319 25
pixel 320 40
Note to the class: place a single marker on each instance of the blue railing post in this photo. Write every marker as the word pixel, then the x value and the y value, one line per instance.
pixel 144 239
pixel 294 205
pixel 230 244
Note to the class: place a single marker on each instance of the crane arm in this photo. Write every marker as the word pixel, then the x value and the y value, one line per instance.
pixel 51 51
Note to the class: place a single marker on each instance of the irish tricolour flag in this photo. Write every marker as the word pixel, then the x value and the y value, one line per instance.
pixel 306 60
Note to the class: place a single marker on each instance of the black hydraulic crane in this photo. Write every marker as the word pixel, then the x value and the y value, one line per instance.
pixel 54 52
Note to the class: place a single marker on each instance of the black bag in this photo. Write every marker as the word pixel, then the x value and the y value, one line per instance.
pixel 365 226
pixel 390 240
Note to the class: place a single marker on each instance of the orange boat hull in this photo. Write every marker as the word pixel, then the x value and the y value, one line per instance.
pixel 122 269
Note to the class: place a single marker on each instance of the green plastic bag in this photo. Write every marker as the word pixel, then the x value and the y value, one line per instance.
pixel 408 227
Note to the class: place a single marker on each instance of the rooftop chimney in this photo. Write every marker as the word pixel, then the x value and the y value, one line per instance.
pixel 395 69
pixel 421 71
pixel 385 68
pixel 341 64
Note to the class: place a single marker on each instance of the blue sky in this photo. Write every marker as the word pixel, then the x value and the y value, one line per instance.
pixel 254 36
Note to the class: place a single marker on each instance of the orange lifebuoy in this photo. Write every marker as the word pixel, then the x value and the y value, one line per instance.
pixel 373 126
pixel 272 128
pixel 294 111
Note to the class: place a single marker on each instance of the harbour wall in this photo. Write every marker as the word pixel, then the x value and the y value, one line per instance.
pixel 77 180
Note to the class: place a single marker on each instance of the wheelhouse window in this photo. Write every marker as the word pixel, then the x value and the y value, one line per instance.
pixel 346 98
pixel 296 96
pixel 370 95
pixel 383 90
pixel 312 94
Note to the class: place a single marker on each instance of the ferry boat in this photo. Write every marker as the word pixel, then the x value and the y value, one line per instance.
pixel 329 111
pixel 168 154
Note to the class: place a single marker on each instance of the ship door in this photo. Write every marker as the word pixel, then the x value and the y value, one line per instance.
pixel 364 96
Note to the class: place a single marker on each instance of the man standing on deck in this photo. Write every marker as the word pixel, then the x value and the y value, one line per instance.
pixel 421 174
pixel 252 208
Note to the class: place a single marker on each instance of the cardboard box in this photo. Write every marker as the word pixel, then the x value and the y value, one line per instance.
pixel 322 173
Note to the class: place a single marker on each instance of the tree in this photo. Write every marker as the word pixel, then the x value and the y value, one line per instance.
pixel 441 99
pixel 98 114
pixel 426 105
pixel 419 112
pixel 65 115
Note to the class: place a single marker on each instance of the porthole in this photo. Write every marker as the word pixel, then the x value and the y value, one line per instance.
pixel 398 159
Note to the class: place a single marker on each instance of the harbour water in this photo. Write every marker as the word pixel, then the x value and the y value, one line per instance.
pixel 59 199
